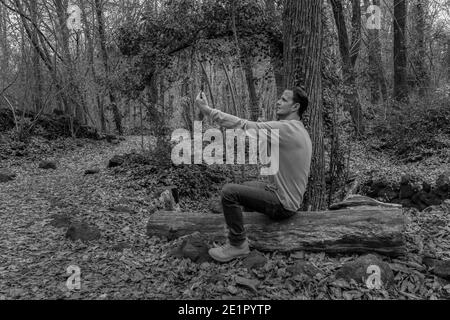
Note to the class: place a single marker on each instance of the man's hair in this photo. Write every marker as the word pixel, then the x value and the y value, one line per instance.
pixel 300 97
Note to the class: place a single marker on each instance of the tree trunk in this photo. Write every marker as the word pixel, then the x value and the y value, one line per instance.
pixel 36 61
pixel 275 57
pixel 302 64
pixel 420 51
pixel 5 50
pixel 349 55
pixel 448 58
pixel 378 87
pixel 102 37
pixel 254 101
pixel 88 31
pixel 73 108
pixel 400 51
pixel 355 230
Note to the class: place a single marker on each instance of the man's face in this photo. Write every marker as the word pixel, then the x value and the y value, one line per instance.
pixel 285 106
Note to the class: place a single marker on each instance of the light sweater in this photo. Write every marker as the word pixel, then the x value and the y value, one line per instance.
pixel 295 152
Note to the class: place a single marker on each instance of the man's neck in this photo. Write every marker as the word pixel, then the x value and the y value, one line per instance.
pixel 292 116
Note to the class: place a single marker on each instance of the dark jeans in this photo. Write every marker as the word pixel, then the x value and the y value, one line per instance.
pixel 254 196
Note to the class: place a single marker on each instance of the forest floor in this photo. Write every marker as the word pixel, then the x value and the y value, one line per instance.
pixel 126 264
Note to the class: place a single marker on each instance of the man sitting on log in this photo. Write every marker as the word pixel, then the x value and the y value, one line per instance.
pixel 283 196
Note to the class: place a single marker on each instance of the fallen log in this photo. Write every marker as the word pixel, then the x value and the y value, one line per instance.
pixel 354 230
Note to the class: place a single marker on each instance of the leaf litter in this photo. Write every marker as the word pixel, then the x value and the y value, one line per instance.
pixel 126 264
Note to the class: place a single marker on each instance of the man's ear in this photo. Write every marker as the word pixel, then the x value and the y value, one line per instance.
pixel 296 107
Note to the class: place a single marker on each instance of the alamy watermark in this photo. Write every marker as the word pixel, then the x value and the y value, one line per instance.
pixel 262 142
pixel 374 279
pixel 74 20
pixel 74 281
pixel 374 18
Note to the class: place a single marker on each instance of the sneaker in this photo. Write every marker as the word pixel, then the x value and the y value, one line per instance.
pixel 228 252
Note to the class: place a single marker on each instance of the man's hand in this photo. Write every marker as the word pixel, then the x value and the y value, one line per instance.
pixel 202 104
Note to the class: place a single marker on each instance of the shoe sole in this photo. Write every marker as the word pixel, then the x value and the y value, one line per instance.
pixel 230 259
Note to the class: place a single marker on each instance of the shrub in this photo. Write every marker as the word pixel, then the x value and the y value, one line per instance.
pixel 415 130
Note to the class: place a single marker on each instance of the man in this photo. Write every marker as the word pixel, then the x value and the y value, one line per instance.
pixel 283 196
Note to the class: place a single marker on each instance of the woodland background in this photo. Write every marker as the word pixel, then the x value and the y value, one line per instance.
pixel 118 85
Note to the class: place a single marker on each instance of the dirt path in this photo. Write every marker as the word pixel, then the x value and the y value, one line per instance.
pixel 34 255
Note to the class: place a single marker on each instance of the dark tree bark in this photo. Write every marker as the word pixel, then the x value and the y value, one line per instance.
pixel 36 61
pixel 75 107
pixel 355 230
pixel 302 64
pixel 420 70
pixel 356 31
pixel 5 51
pixel 89 30
pixel 254 100
pixel 378 86
pixel 448 58
pixel 349 54
pixel 102 38
pixel 400 51
pixel 276 49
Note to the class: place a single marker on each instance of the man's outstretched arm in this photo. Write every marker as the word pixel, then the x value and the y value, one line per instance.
pixel 229 121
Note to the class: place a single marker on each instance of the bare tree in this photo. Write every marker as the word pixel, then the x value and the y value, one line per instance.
pixel 102 39
pixel 400 51
pixel 349 53
pixel 376 69
pixel 419 55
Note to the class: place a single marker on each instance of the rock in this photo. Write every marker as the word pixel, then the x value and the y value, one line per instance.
pixel 406 203
pixel 172 189
pixel 417 202
pixel 358 270
pixel 110 137
pixel 387 193
pixel 6 176
pixel 438 267
pixel 422 200
pixel 116 161
pixel 443 182
pixel 254 260
pixel 406 191
pixel 303 267
pixel 60 221
pixel 82 231
pixel 193 248
pixel 248 283
pixel 47 165
pixel 390 194
pixel 167 198
pixel 426 187
pixel 429 199
pixel 377 188
pixel 92 171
